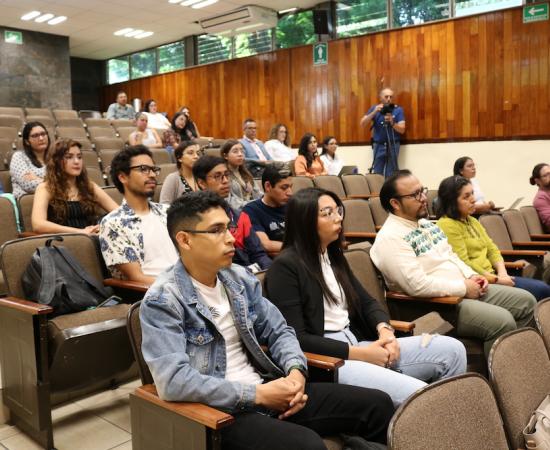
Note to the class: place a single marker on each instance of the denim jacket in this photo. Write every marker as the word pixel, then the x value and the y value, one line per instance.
pixel 185 351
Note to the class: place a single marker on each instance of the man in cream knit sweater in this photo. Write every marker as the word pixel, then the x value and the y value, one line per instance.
pixel 414 256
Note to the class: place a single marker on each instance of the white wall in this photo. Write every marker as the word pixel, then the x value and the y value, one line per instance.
pixel 503 167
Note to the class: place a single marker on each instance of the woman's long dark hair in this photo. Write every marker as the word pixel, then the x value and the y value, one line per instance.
pixel 325 144
pixel 459 164
pixel 447 196
pixel 27 144
pixel 302 215
pixel 303 149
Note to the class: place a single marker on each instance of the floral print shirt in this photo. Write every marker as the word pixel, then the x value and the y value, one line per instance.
pixel 121 238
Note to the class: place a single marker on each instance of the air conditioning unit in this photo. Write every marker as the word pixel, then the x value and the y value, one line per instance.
pixel 242 20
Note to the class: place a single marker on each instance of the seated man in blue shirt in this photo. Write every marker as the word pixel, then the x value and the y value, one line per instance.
pixel 203 323
pixel 267 214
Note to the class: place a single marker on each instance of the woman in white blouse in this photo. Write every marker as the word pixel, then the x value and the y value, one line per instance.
pixel 278 144
pixel 333 165
pixel 156 119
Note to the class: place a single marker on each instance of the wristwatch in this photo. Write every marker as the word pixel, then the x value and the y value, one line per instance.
pixel 384 325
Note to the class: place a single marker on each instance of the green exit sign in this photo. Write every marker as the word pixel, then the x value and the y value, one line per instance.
pixel 535 13
pixel 13 37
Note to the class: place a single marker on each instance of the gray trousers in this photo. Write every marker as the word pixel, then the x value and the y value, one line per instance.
pixel 501 309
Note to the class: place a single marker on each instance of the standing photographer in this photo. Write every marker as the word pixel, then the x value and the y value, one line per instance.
pixel 388 124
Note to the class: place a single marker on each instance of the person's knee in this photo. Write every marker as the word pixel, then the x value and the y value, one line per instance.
pixel 454 355
pixel 307 440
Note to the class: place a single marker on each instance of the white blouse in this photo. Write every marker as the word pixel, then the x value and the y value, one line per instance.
pixel 336 316
pixel 279 151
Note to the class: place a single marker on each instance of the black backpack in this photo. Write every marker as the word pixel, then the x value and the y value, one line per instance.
pixel 54 277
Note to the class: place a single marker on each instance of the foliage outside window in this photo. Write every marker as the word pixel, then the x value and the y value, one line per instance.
pixel 213 48
pixel 414 12
pixel 118 70
pixel 295 29
pixel 467 7
pixel 171 57
pixel 354 17
pixel 248 44
pixel 143 64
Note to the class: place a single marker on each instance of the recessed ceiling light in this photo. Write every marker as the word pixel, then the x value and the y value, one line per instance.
pixel 190 2
pixel 204 3
pixel 31 15
pixel 284 11
pixel 174 1
pixel 57 20
pixel 123 31
pixel 144 35
pixel 44 17
pixel 133 33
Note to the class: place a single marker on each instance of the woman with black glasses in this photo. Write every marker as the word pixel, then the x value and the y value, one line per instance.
pixel 313 286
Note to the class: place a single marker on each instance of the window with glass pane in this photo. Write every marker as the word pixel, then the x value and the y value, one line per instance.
pixel 413 12
pixel 118 70
pixel 213 48
pixel 252 43
pixel 171 57
pixel 355 17
pixel 295 29
pixel 467 7
pixel 143 64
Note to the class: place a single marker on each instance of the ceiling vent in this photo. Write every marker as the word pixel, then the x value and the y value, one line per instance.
pixel 245 19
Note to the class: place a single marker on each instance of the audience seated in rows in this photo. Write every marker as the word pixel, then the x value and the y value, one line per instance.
pixel 313 286
pixel 67 201
pixel 212 174
pixel 267 214
pixel 242 187
pixel 144 135
pixel 415 257
pixel 120 109
pixel 134 239
pixel 28 167
pixel 333 164
pixel 190 123
pixel 254 149
pixel 541 202
pixel 308 163
pixel 156 119
pixel 278 145
pixel 201 347
pixel 471 242
pixel 466 167
pixel 182 127
pixel 182 180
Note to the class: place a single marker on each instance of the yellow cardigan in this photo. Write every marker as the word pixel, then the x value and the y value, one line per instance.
pixel 471 243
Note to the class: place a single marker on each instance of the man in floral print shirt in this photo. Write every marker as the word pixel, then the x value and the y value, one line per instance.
pixel 414 256
pixel 134 239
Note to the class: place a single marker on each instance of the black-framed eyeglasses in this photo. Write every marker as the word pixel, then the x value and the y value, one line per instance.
pixel 330 213
pixel 219 176
pixel 41 134
pixel 219 230
pixel 146 170
pixel 417 195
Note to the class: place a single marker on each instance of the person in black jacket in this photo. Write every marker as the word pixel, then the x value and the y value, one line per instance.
pixel 313 286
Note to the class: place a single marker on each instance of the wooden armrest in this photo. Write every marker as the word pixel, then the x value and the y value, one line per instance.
pixel 399 325
pixel 361 196
pixel 359 234
pixel 26 306
pixel 540 236
pixel 126 284
pixel 449 300
pixel 515 265
pixel 25 234
pixel 532 244
pixel 538 253
pixel 210 417
pixel 323 362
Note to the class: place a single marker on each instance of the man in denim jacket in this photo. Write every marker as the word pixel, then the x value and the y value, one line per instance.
pixel 203 322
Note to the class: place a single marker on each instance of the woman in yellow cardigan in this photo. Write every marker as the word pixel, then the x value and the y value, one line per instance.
pixel 470 241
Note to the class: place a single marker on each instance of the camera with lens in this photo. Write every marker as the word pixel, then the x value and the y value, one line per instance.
pixel 387 109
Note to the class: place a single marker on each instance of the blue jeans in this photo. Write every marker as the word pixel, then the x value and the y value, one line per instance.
pixel 442 357
pixel 381 165
pixel 538 288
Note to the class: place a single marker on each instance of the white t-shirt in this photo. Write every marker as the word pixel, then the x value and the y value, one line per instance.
pixel 336 316
pixel 279 151
pixel 238 366
pixel 478 195
pixel 333 166
pixel 158 121
pixel 158 249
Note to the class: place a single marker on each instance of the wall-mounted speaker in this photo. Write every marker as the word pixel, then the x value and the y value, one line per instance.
pixel 321 22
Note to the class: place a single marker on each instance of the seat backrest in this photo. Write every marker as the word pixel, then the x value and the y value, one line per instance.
pixel 44 112
pixel 125 132
pixel 95 175
pixel 161 156
pixel 299 183
pixel 71 132
pixel 8 230
pixel 542 319
pixel 6 152
pixel 15 256
pixel 65 114
pixel 106 158
pixel 331 183
pixel 379 214
pixel 375 181
pixel 517 228
pixel 497 231
pixel 90 159
pixel 532 220
pixel 96 132
pixel 97 122
pixel 165 170
pixel 362 267
pixel 11 111
pixel 11 121
pixel 47 121
pixel 358 217
pixel 89 114
pixel 108 143
pixel 25 210
pixel 9 133
pixel 133 326
pixel 519 370
pixel 5 179
pixel 121 123
pixel 70 122
pixel 431 196
pixel 455 413
pixel 114 193
pixel 356 184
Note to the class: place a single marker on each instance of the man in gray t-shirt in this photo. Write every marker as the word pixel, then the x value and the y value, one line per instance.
pixel 120 109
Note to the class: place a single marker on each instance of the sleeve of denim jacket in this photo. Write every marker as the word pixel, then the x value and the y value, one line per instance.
pixel 272 330
pixel 164 349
